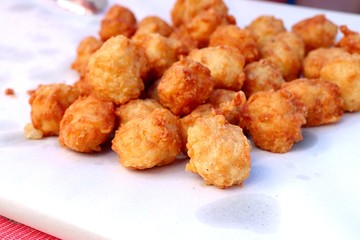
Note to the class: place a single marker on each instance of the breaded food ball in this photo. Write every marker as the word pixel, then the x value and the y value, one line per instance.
pixel 345 72
pixel 136 109
pixel 184 11
pixel 322 99
pixel 86 48
pixel 153 24
pixel 282 55
pixel 181 34
pixel 48 104
pixel 316 32
pixel 317 58
pixel 274 120
pixel 294 42
pixel 146 142
pixel 228 103
pixel 86 124
pixel 115 70
pixel 184 86
pixel 234 36
pixel 117 20
pixel 225 64
pixel 265 26
pixel 262 75
pixel 350 42
pixel 219 152
pixel 161 52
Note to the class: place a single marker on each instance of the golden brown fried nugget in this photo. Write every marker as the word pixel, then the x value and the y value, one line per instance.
pixel 116 70
pixel 317 58
pixel 316 31
pixel 344 71
pixel 293 41
pixel 48 104
pixel 350 42
pixel 86 124
pixel 146 142
pixel 184 86
pixel 262 75
pixel 117 20
pixel 219 152
pixel 265 26
pixel 234 36
pixel 153 24
pixel 225 64
pixel 322 99
pixel 136 109
pixel 274 120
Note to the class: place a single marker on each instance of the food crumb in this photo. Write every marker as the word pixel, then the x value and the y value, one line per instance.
pixel 9 92
pixel 30 132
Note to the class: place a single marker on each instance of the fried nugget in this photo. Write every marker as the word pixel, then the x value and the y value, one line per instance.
pixel 116 70
pixel 322 99
pixel 344 71
pixel 86 124
pixel 225 64
pixel 117 20
pixel 153 24
pixel 274 120
pixel 234 36
pixel 262 75
pixel 219 152
pixel 317 58
pixel 316 32
pixel 184 86
pixel 146 142
pixel 350 42
pixel 48 104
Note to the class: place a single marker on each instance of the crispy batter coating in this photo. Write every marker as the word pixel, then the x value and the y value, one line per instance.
pixel 317 58
pixel 153 24
pixel 228 103
pixel 322 99
pixel 161 52
pixel 136 109
pixel 48 104
pixel 234 36
pixel 115 70
pixel 294 42
pixel 350 41
pixel 265 26
pixel 274 120
pixel 261 76
pixel 86 48
pixel 225 64
pixel 86 124
pixel 184 11
pixel 184 86
pixel 146 142
pixel 181 34
pixel 117 20
pixel 344 71
pixel 219 152
pixel 316 31
pixel 279 52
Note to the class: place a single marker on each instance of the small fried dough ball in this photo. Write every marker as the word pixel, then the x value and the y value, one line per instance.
pixel 86 124
pixel 219 152
pixel 293 41
pixel 350 42
pixel 146 142
pixel 225 64
pixel 181 34
pixel 115 70
pixel 265 26
pixel 233 36
pixel 153 24
pixel 316 32
pixel 345 72
pixel 322 99
pixel 317 58
pixel 184 86
pixel 117 20
pixel 274 120
pixel 136 109
pixel 48 104
pixel 261 76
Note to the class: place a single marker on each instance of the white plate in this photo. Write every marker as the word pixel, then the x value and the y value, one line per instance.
pixel 309 193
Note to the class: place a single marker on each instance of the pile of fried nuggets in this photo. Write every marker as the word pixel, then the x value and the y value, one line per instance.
pixel 200 86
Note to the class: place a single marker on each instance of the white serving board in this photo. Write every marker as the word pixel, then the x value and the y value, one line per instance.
pixel 311 192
